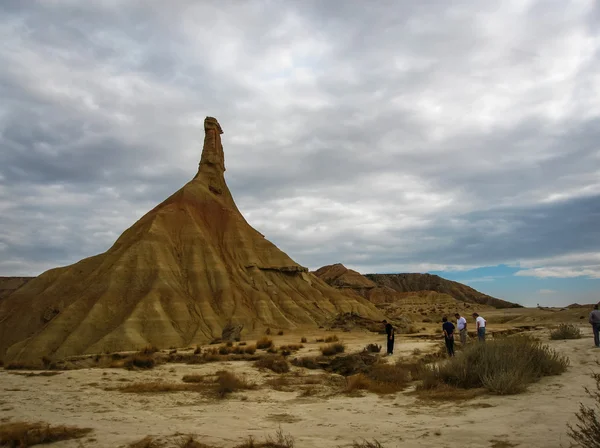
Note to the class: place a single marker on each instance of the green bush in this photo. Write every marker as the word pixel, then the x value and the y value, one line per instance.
pixel 566 331
pixel 503 366
pixel 587 431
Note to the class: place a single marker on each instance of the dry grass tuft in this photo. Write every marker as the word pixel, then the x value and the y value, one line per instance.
pixel 566 331
pixel 380 379
pixel 194 378
pixel 333 349
pixel 333 338
pixel 24 434
pixel 303 340
pixel 139 361
pixel 228 383
pixel 191 442
pixel 366 444
pixel 280 333
pixel 264 343
pixel 372 348
pixel 277 364
pixel 279 441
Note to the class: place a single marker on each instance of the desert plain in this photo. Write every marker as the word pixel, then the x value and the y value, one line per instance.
pixel 311 407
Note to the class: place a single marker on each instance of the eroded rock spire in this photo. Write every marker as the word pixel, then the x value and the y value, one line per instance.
pixel 212 162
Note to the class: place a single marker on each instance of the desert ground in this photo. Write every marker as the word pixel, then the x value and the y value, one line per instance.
pixel 324 416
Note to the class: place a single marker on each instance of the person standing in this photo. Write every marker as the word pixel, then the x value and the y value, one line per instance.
pixel 595 322
pixel 389 331
pixel 461 325
pixel 448 329
pixel 480 323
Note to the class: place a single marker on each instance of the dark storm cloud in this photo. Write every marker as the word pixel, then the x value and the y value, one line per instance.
pixel 388 136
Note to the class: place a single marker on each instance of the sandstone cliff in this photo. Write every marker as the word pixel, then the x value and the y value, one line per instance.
pixel 176 277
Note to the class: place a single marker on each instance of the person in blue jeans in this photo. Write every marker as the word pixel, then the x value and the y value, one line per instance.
pixel 595 322
pixel 480 324
pixel 448 329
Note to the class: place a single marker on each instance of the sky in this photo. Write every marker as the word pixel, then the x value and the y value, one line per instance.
pixel 460 138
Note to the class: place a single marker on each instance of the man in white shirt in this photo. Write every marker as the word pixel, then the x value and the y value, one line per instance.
pixel 461 325
pixel 480 324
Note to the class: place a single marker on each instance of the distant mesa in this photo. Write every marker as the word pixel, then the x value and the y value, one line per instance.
pixel 388 288
pixel 182 273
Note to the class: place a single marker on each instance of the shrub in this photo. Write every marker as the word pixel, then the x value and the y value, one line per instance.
pixel 280 333
pixel 250 349
pixel 23 434
pixel 227 383
pixel 277 364
pixel 308 362
pixel 303 340
pixel 333 338
pixel 333 349
pixel 503 366
pixel 279 441
pixel 264 343
pixel 587 431
pixel 566 331
pixel 268 331
pixel 139 361
pixel 366 444
pixel 193 378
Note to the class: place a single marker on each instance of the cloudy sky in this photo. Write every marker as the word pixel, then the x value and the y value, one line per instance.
pixel 461 138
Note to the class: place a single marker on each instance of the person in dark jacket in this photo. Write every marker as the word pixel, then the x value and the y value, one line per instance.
pixel 595 323
pixel 390 332
pixel 448 329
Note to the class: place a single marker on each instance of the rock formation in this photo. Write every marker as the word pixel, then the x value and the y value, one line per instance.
pixel 387 288
pixel 430 282
pixel 182 273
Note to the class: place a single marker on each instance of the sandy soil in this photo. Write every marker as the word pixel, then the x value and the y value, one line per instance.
pixel 536 418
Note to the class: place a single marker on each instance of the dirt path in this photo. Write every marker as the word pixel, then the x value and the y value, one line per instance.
pixel 535 419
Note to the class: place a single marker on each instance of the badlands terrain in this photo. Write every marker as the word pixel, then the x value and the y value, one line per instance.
pixel 194 330
pixel 311 406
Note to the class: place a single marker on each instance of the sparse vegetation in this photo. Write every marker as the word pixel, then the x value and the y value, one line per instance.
pixel 279 441
pixel 24 434
pixel 277 364
pixel 502 366
pixel 308 362
pixel 193 378
pixel 333 349
pixel 367 444
pixel 303 340
pixel 333 338
pixel 149 350
pixel 380 378
pixel 264 343
pixel 280 333
pixel 566 331
pixel 155 387
pixel 228 383
pixel 139 361
pixel 587 429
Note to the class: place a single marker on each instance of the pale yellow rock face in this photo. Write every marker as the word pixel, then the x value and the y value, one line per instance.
pixel 176 277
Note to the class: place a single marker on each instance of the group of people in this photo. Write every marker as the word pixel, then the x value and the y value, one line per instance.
pixel 448 329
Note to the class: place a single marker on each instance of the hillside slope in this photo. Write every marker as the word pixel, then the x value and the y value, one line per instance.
pixel 8 285
pixel 176 277
pixel 430 282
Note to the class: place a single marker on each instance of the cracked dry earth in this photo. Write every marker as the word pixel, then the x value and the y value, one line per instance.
pixel 536 418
